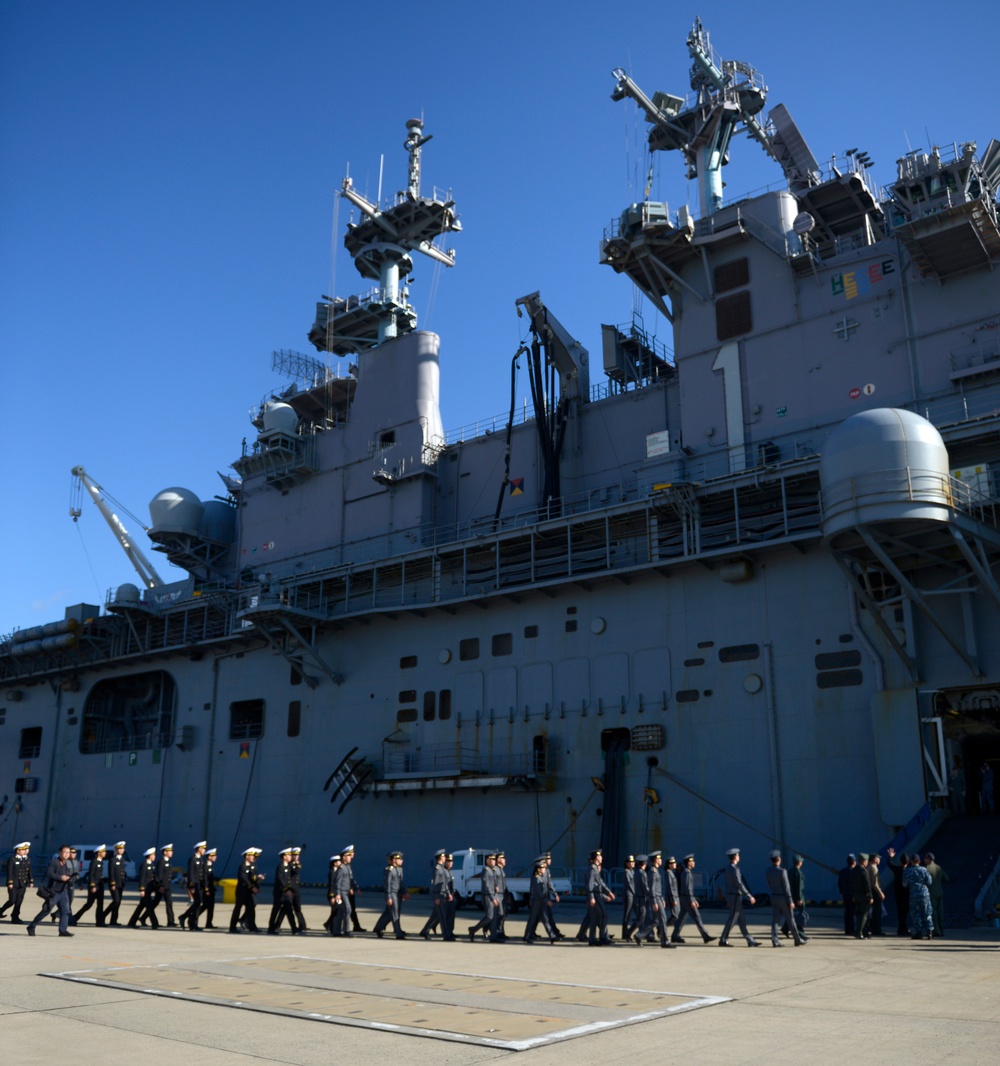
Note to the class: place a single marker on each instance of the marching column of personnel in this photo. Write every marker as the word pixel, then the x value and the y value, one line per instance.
pixel 659 896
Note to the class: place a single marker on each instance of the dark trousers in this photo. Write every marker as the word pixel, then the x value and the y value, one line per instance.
pixel 61 902
pixel 146 909
pixel 862 916
pixel 630 913
pixel 281 910
pixel 245 910
pixel 391 914
pixel 694 913
pixel 736 918
pixel 114 904
pixel 95 896
pixel 195 908
pixel 15 897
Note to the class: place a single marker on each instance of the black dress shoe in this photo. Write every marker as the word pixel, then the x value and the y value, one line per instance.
pixel 67 933
pixel 31 930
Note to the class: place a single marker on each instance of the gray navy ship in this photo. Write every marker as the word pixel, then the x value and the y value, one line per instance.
pixel 739 590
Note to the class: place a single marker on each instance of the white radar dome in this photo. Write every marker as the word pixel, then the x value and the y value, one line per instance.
pixel 175 511
pixel 280 417
pixel 884 466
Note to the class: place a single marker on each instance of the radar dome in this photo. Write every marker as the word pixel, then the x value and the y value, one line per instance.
pixel 884 466
pixel 280 417
pixel 218 522
pixel 175 511
pixel 127 594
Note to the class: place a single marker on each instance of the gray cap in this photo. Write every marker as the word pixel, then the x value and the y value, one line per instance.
pixel 862 856
pixel 642 858
pixel 776 854
pixel 654 854
pixel 733 851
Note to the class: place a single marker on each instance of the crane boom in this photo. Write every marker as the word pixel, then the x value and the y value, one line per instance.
pixel 143 567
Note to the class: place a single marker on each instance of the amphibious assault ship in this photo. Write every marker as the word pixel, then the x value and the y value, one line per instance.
pixel 742 589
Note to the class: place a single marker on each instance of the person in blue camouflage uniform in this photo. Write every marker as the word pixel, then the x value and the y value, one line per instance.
pixel 921 915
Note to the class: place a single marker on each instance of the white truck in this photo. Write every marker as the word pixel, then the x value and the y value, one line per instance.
pixel 468 874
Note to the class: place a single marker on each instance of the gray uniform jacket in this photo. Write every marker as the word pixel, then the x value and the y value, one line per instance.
pixel 735 885
pixel 777 882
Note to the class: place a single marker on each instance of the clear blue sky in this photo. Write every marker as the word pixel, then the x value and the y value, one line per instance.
pixel 167 177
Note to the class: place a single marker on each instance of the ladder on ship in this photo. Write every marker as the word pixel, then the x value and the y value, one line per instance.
pixel 349 778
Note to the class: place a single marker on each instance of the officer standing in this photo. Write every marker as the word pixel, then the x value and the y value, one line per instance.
pixel 690 908
pixel 736 893
pixel 19 880
pixel 117 876
pixel 392 883
pixel 247 887
pixel 163 875
pixel 797 887
pixel 782 906
pixel 95 887
pixel 195 887
pixel 149 894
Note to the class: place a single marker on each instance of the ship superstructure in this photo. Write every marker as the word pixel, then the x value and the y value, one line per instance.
pixel 749 577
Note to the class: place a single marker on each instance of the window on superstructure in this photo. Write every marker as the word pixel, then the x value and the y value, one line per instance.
pixel 31 743
pixel 294 718
pixel 502 644
pixel 444 704
pixel 530 632
pixel 246 719
pixel 732 315
pixel 729 276
pixel 295 676
pixel 430 706
pixel 468 649
pixel 408 695
pixel 406 714
pixel 408 662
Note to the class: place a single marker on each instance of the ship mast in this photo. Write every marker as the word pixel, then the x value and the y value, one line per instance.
pixel 382 246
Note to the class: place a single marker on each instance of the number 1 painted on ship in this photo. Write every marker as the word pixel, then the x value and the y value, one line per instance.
pixel 728 361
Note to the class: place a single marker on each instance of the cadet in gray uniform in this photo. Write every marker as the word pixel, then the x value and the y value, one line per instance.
pixel 640 928
pixel 451 905
pixel 628 906
pixel 656 915
pixel 598 894
pixel 690 908
pixel 538 896
pixel 781 901
pixel 497 933
pixel 439 896
pixel 549 918
pixel 394 894
pixel 488 897
pixel 736 892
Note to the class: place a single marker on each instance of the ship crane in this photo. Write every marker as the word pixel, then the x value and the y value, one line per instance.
pixel 143 567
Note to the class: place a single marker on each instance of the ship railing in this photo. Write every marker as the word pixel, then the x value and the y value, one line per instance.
pixel 972 356
pixel 908 485
pixel 406 760
pixel 131 742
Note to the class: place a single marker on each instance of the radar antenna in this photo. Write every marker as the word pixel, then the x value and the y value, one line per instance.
pixel 728 94
pixel 381 245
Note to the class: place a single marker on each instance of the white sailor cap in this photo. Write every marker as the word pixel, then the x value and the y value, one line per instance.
pixel 296 851
pixel 334 858
pixel 258 851
pixel 212 851
pixel 148 852
pixel 120 844
pixel 285 851
pixel 201 844
pixel 101 847
pixel 166 847
pixel 24 844
pixel 349 850
pixel 249 851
